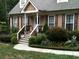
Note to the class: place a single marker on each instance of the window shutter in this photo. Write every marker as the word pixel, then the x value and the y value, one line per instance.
pixel 56 20
pixel 12 22
pixel 18 22
pixel 76 21
pixel 63 21
pixel 46 16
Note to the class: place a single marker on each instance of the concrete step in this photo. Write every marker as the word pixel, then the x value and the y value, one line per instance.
pixel 24 39
pixel 23 43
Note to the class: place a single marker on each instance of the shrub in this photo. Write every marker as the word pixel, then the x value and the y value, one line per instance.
pixel 72 42
pixel 5 38
pixel 40 38
pixel 14 38
pixel 4 29
pixel 76 33
pixel 37 39
pixel 45 29
pixel 14 30
pixel 32 40
pixel 57 34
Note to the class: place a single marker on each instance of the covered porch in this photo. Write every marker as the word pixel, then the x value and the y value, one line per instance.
pixel 34 22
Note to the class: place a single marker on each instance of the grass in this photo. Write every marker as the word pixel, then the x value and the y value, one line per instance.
pixel 7 52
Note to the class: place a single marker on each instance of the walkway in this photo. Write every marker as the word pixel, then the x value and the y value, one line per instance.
pixel 58 52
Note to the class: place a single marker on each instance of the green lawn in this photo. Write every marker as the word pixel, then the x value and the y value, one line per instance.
pixel 7 52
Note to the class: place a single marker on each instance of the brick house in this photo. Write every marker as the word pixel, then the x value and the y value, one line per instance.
pixel 35 13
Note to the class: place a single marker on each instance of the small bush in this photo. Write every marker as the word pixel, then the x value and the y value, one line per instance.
pixel 14 38
pixel 57 34
pixel 14 30
pixel 76 33
pixel 45 29
pixel 4 29
pixel 40 38
pixel 32 40
pixel 37 39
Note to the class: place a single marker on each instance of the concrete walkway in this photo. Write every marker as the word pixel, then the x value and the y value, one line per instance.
pixel 58 52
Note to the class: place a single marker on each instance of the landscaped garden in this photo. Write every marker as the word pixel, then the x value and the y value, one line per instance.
pixel 56 38
pixel 7 52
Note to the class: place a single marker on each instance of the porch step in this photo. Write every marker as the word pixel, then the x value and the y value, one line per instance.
pixel 24 39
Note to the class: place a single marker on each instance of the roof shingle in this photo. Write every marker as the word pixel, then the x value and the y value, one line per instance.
pixel 49 5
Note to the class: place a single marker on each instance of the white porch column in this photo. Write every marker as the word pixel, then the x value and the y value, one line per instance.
pixel 25 21
pixel 37 21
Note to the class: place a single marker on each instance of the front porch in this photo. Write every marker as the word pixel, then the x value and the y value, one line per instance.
pixel 31 20
pixel 33 23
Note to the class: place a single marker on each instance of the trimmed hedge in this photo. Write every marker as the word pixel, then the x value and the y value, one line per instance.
pixel 57 34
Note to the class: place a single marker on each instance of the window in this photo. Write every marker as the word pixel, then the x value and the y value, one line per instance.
pixel 69 22
pixel 15 21
pixel 51 21
pixel 59 1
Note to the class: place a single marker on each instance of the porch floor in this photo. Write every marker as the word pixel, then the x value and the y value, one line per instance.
pixel 58 52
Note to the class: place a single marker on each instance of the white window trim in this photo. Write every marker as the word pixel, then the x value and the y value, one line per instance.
pixel 71 22
pixel 54 20
pixel 29 11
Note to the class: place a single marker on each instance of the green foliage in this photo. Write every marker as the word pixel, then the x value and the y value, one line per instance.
pixel 37 39
pixel 57 34
pixel 32 40
pixel 5 7
pixel 40 38
pixel 76 33
pixel 4 28
pixel 45 29
pixel 72 42
pixel 14 38
pixel 14 30
pixel 7 52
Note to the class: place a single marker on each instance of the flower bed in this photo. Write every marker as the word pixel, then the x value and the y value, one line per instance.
pixel 56 38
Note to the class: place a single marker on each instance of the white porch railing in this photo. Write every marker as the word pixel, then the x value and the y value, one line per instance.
pixel 19 32
pixel 23 28
pixel 34 29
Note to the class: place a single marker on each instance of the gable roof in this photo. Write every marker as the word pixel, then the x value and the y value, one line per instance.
pixel 52 5
pixel 23 10
pixel 49 5
pixel 16 9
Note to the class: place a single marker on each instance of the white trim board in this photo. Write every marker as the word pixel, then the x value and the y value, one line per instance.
pixel 29 11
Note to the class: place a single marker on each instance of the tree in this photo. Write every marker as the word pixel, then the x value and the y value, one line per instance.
pixel 5 7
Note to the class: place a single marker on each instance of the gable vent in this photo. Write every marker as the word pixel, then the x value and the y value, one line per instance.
pixel 22 3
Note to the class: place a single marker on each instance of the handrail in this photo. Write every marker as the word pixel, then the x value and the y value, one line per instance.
pixel 34 29
pixel 19 32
